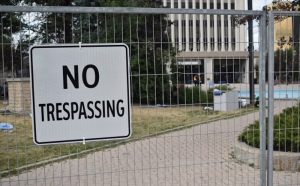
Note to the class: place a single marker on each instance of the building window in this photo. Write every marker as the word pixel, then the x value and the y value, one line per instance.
pixel 176 32
pixel 191 43
pixel 219 43
pixel 191 23
pixel 232 23
pixel 233 44
pixel 204 35
pixel 184 43
pixel 176 23
pixel 219 32
pixel 191 28
pixel 183 23
pixel 183 31
pixel 198 34
pixel 226 43
pixel 205 44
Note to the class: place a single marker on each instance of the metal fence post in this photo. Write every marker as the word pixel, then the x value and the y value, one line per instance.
pixel 270 98
pixel 262 99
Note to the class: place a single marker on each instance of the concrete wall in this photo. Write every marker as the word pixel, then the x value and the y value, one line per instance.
pixel 286 161
pixel 19 96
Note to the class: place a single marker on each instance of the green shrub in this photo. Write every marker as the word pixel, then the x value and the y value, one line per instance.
pixel 286 131
pixel 191 95
pixel 195 95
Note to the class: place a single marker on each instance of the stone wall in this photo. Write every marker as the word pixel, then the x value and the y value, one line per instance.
pixel 19 96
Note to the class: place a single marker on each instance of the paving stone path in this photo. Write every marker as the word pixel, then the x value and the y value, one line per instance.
pixel 200 155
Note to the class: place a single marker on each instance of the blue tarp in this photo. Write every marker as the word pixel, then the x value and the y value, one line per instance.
pixel 217 92
pixel 6 126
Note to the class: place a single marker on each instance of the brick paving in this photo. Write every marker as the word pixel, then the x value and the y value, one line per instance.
pixel 200 155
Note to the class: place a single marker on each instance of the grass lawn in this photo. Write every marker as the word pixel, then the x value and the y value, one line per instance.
pixel 17 148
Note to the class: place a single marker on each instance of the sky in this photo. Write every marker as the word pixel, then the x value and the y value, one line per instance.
pixel 258 4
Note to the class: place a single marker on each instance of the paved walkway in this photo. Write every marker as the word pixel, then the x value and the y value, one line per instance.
pixel 201 155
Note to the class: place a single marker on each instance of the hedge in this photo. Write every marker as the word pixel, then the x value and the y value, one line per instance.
pixel 286 131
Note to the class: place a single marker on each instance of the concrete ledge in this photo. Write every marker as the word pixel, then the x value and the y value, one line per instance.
pixel 17 79
pixel 281 160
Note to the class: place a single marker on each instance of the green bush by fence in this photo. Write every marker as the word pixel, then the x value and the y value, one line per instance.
pixel 286 131
pixel 195 95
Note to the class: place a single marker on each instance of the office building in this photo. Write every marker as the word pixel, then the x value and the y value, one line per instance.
pixel 210 45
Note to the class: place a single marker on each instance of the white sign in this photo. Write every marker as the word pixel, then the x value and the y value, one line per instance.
pixel 189 63
pixel 80 93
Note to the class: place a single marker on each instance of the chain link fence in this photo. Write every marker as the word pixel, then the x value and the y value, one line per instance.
pixel 191 117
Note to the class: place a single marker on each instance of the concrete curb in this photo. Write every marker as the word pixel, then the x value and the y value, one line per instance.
pixel 286 161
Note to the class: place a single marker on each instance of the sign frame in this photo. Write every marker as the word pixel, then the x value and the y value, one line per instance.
pixel 33 101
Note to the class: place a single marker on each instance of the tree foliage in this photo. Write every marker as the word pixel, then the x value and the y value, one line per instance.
pixel 286 131
pixel 151 50
pixel 277 5
pixel 10 25
pixel 285 63
pixel 286 60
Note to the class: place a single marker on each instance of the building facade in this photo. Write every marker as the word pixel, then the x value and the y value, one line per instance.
pixel 210 45
pixel 286 29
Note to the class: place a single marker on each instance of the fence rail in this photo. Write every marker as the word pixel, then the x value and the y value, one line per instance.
pixel 124 10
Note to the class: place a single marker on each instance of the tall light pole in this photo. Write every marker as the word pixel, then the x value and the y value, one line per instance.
pixel 250 49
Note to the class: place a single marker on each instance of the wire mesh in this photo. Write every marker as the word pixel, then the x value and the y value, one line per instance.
pixel 283 75
pixel 181 134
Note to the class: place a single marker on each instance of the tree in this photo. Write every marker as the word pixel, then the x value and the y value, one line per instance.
pixel 277 5
pixel 284 64
pixel 10 52
pixel 150 46
pixel 285 60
